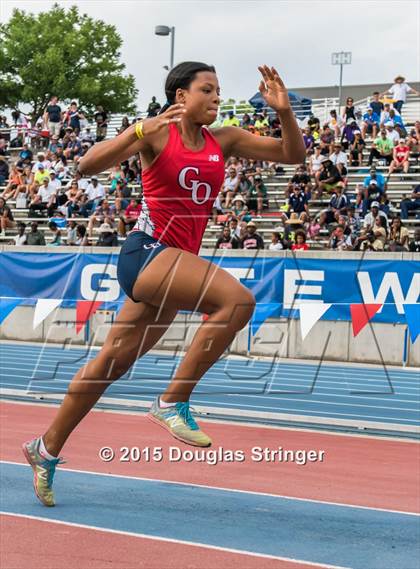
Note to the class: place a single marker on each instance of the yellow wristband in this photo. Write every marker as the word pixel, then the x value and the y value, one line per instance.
pixel 139 129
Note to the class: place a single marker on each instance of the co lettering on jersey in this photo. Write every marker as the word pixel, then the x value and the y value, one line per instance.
pixel 195 186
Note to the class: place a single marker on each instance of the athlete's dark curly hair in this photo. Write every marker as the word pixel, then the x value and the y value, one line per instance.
pixel 181 77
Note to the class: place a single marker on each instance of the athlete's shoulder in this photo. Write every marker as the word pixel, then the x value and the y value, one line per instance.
pixel 226 136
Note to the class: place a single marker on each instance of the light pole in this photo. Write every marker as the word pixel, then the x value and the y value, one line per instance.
pixel 166 31
pixel 340 58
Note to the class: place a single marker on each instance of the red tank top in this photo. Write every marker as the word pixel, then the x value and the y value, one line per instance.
pixel 179 190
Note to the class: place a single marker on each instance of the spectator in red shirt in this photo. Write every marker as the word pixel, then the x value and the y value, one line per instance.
pixel 300 244
pixel 129 217
pixel 400 158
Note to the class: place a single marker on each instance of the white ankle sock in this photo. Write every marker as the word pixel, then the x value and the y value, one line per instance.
pixel 44 451
pixel 163 404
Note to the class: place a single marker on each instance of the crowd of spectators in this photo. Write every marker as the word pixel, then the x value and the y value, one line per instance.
pixel 43 178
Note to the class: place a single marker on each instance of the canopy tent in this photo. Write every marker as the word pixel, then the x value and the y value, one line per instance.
pixel 301 106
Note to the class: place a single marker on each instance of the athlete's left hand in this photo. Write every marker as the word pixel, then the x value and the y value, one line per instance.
pixel 273 89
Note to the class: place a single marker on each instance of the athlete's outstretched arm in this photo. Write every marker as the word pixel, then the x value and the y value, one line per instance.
pixel 290 149
pixel 105 154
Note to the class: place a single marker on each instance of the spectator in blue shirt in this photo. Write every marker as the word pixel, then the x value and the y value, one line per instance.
pixel 374 186
pixel 412 204
pixel 298 201
pixel 370 123
pixel 376 104
pixel 398 122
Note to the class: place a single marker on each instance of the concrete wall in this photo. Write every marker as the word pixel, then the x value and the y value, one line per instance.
pixel 377 343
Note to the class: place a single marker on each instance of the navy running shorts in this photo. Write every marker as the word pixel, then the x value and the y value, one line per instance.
pixel 136 253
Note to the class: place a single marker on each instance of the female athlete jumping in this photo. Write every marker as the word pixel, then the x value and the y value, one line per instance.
pixel 158 267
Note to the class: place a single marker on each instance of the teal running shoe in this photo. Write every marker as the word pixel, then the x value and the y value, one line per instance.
pixel 180 423
pixel 44 470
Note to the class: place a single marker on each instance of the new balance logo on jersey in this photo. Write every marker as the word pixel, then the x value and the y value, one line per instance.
pixel 214 158
pixel 194 186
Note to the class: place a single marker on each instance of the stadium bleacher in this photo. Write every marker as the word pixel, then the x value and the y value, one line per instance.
pixel 398 187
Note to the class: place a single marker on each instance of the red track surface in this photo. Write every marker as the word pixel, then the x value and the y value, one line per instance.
pixel 83 548
pixel 356 470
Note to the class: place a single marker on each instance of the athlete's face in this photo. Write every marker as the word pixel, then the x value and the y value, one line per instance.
pixel 202 98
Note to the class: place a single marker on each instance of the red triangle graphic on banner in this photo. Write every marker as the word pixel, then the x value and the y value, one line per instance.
pixel 361 314
pixel 84 310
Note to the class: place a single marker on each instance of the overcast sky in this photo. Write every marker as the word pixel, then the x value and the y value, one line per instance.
pixel 295 36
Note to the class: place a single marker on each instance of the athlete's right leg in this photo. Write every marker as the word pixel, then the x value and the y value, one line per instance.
pixel 179 280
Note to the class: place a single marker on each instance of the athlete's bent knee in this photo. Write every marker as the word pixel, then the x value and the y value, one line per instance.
pixel 241 308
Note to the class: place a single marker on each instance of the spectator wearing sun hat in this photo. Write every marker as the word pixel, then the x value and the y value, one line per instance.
pixel 399 91
pixel 107 236
pixel 252 239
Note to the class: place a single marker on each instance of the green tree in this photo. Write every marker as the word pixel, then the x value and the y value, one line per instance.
pixel 63 53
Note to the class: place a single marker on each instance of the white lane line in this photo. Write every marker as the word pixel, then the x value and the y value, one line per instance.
pixel 172 540
pixel 225 489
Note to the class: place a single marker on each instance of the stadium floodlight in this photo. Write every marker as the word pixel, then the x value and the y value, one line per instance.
pixel 340 58
pixel 166 31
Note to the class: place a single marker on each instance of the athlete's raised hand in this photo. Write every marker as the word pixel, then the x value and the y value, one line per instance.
pixel 273 90
pixel 173 114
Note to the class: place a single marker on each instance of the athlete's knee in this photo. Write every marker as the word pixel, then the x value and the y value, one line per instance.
pixel 240 308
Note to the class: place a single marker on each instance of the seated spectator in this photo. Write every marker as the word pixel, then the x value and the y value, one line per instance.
pixel 107 236
pixel 104 213
pixel 339 159
pixel 252 239
pixel 391 132
pixel 302 179
pixel 376 105
pixel 356 149
pixel 414 246
pixel 298 201
pixel 400 158
pixel 95 193
pixel 335 123
pixel 328 178
pixel 239 209
pixel 20 238
pixel 338 204
pixel 244 184
pixel 315 160
pixel 230 186
pixel 15 180
pixel 35 237
pixel 314 123
pixel 57 234
pixel 339 240
pixel 412 203
pixel 73 149
pixel 384 117
pixel 227 240
pixel 6 217
pixel 398 238
pixel 122 196
pixel 125 123
pixel 308 140
pixel 246 121
pixel 414 141
pixel 44 199
pixel 71 232
pixel 396 119
pixel 370 123
pixel 4 170
pixel 300 242
pixel 326 141
pixel 370 218
pixel 382 149
pixel 129 217
pixel 237 229
pixel 374 186
pixel 292 225
pixel 101 120
pixel 347 136
pixel 277 239
pixel 87 138
pixel 25 156
pixel 261 122
pixel 153 108
pixel 81 237
pixel 257 196
pixel 231 120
